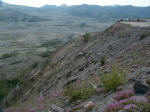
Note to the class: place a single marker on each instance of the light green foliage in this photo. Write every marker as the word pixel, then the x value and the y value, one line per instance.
pixel 112 80
pixel 86 37
pixel 79 92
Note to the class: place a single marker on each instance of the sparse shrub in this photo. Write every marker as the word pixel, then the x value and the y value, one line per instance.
pixel 45 54
pixel 15 62
pixel 86 37
pixel 35 64
pixel 103 60
pixel 12 82
pixel 83 25
pixel 114 79
pixel 142 36
pixel 3 89
pixel 52 43
pixel 8 55
pixel 79 92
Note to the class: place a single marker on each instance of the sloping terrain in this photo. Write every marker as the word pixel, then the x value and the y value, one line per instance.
pixel 123 46
pixel 29 35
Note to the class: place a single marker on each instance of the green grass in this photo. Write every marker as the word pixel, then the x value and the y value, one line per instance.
pixel 112 80
pixel 8 55
pixel 78 92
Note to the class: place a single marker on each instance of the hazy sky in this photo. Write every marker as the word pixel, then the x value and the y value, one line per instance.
pixel 38 3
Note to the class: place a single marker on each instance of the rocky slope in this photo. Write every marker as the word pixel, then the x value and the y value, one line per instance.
pixel 125 47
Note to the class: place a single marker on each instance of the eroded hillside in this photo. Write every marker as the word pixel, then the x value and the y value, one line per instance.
pixel 91 56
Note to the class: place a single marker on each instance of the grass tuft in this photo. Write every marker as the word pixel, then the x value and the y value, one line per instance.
pixel 114 79
pixel 79 92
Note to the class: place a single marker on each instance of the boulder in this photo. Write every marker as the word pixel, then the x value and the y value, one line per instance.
pixel 140 88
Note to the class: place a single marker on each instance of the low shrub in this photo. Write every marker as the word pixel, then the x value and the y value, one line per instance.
pixel 6 85
pixel 79 92
pixel 35 64
pixel 114 79
pixel 45 54
pixel 86 37
pixel 8 55
pixel 142 36
pixel 103 60
pixel 12 82
pixel 52 43
pixel 4 89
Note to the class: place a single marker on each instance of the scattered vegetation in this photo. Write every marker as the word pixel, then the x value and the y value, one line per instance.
pixel 15 62
pixel 128 103
pixel 3 89
pixel 79 92
pixel 124 95
pixel 142 36
pixel 35 64
pixel 113 79
pixel 103 60
pixel 6 85
pixel 8 55
pixel 52 43
pixel 86 37
pixel 83 25
pixel 45 54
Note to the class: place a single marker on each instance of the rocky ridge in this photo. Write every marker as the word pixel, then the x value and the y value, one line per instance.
pixel 124 46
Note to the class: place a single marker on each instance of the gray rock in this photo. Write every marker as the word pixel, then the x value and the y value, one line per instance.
pixel 140 88
pixel 57 109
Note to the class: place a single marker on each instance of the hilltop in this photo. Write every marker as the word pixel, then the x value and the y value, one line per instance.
pixel 83 63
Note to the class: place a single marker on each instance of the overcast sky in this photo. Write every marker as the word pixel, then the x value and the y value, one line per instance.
pixel 38 3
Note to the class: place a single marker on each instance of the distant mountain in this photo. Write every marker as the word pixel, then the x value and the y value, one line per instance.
pixel 103 13
pixel 109 12
pixel 14 13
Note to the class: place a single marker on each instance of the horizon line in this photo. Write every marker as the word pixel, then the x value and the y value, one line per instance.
pixel 71 5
